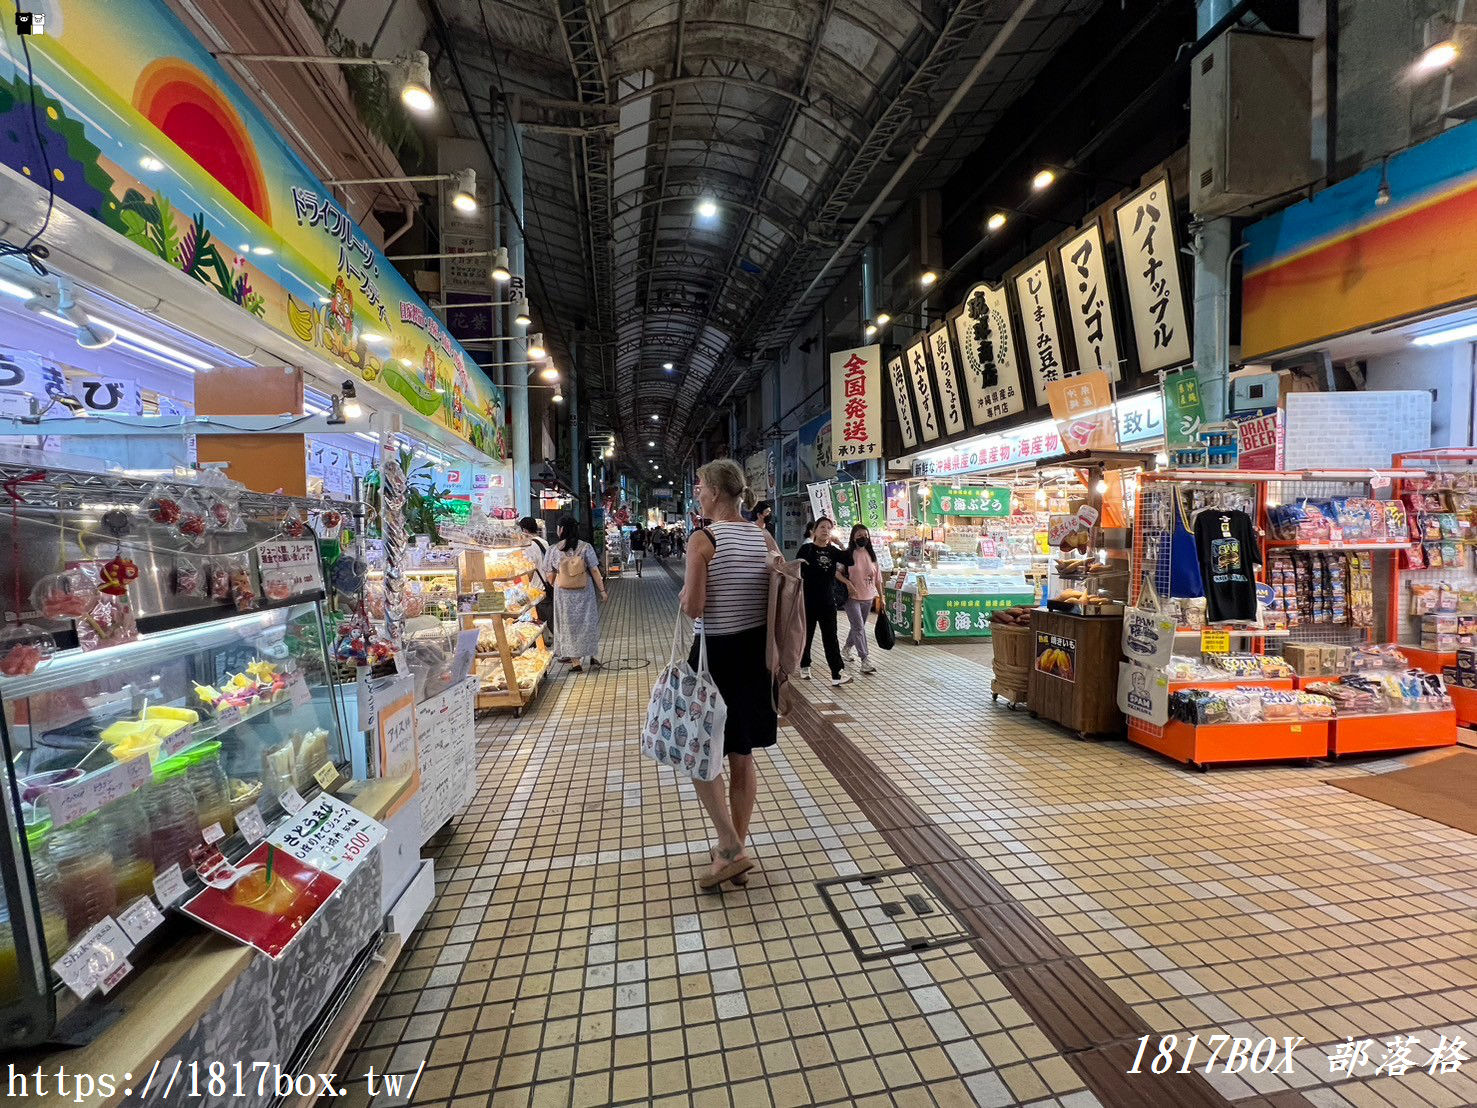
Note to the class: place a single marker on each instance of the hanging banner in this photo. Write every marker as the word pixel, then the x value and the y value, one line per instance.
pixel 1043 340
pixel 899 508
pixel 1184 411
pixel 951 404
pixel 844 508
pixel 987 355
pixel 1149 251
pixel 150 136
pixel 820 500
pixel 897 377
pixel 917 359
pixel 758 474
pixel 873 505
pixel 790 464
pixel 814 451
pixel 1089 302
pixel 856 404
pixel 1083 409
pixel 994 503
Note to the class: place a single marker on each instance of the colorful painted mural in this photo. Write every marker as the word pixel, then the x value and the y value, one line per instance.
pixel 144 131
pixel 1339 262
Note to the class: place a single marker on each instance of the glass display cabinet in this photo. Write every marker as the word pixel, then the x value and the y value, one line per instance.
pixel 124 762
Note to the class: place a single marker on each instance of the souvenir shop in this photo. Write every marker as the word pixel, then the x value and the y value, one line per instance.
pixel 261 578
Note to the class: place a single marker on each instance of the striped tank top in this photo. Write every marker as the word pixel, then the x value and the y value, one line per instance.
pixel 738 580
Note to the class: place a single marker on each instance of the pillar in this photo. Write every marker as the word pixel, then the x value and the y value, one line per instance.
pixel 518 376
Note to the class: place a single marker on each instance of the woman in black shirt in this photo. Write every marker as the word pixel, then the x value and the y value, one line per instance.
pixel 824 565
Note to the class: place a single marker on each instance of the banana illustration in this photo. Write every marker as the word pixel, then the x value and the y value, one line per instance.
pixel 303 319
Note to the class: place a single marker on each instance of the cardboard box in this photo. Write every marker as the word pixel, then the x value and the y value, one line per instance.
pixel 1306 659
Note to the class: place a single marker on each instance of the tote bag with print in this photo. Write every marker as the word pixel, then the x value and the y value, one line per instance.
pixel 684 721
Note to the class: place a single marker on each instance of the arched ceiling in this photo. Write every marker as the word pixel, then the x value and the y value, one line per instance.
pixel 790 115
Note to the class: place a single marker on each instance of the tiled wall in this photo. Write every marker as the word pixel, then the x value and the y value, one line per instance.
pixel 1352 430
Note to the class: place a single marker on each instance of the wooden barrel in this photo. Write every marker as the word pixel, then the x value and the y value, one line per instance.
pixel 1012 646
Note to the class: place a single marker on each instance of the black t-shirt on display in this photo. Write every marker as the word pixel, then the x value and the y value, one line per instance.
pixel 1227 545
pixel 819 570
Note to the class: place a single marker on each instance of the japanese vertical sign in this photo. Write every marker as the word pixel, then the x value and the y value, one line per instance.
pixel 1089 302
pixel 1038 312
pixel 951 405
pixel 898 377
pixel 899 508
pixel 917 366
pixel 873 501
pixel 844 507
pixel 856 404
pixel 1184 411
pixel 1083 409
pixel 987 355
pixel 1149 250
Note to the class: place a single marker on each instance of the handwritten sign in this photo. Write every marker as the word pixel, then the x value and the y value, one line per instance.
pixel 288 567
pixel 95 957
pixel 291 800
pixel 326 775
pixel 170 885
pixel 251 825
pixel 182 739
pixel 396 733
pixel 329 835
pixel 298 691
pixel 139 919
pixel 70 803
pixel 1215 642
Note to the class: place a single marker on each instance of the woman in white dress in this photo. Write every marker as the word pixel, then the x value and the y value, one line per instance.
pixel 573 569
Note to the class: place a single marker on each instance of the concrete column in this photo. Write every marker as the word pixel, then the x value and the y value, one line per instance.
pixel 872 470
pixel 576 439
pixel 518 376
pixel 1212 301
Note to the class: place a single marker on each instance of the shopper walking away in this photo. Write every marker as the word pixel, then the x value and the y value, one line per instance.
pixel 638 547
pixel 727 594
pixel 537 547
pixel 824 566
pixel 571 564
pixel 865 592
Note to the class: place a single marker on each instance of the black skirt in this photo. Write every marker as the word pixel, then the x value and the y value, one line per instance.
pixel 737 664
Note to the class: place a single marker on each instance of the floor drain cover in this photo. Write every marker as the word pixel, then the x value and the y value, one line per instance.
pixel 624 663
pixel 887 914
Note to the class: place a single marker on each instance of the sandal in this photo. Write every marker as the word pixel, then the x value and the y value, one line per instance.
pixel 739 879
pixel 735 867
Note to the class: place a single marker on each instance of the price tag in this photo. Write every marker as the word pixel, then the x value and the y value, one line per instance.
pixel 1215 642
pixel 109 983
pixel 214 833
pixel 1335 534
pixel 1087 515
pixel 1379 481
pixel 94 958
pixel 97 790
pixel 139 918
pixel 291 801
pixel 170 885
pixel 229 717
pixel 297 688
pixel 251 825
pixel 327 774
pixel 182 739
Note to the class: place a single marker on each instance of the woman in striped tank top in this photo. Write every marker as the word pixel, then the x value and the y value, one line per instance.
pixel 727 592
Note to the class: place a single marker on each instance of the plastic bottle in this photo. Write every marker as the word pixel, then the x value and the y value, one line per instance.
pixel 174 825
pixel 208 782
pixel 53 919
pixel 86 885
pixel 126 824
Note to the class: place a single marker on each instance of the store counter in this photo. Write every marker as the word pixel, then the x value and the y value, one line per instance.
pixel 207 992
pixel 1074 671
pixel 945 604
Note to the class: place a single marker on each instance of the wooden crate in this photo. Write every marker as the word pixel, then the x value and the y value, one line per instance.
pixel 1082 697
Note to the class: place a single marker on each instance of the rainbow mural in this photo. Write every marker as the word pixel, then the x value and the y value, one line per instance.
pixel 1338 262
pixel 144 131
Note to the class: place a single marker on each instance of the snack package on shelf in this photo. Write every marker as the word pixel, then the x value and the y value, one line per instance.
pixel 1302 520
pixel 1208 707
pixel 1246 665
pixel 1360 518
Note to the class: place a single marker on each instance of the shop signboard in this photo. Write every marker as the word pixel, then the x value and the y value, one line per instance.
pixel 793 510
pixel 897 378
pixel 946 377
pixel 916 358
pixel 820 500
pixel 900 608
pixel 1148 248
pixel 149 135
pixel 759 474
pixel 958 617
pixel 790 464
pixel 844 507
pixel 856 404
pixel 1090 301
pixel 1184 411
pixel 1043 338
pixel 1263 439
pixel 1143 693
pixel 873 505
pixel 1083 409
pixel 991 503
pixel 815 461
pixel 109 396
pixel 1056 655
pixel 987 355
pixel 288 568
pixel 1140 417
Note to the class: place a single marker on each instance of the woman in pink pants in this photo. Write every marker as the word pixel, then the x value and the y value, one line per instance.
pixel 865 587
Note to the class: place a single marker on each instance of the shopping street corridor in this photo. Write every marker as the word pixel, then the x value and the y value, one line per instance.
pixel 1096 894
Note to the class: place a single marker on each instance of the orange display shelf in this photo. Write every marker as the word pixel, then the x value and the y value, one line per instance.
pixel 1392 731
pixel 1234 742
pixel 1283 683
pixel 1429 660
pixel 1465 703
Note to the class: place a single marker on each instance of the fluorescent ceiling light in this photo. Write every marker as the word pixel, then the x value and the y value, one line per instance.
pixel 145 341
pixel 1450 334
pixel 10 288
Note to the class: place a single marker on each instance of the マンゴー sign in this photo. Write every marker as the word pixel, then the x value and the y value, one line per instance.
pixel 1090 302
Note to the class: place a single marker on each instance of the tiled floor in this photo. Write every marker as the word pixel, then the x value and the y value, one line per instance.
pixel 570 959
